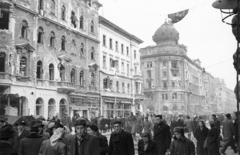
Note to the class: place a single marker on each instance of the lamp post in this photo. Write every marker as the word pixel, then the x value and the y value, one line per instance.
pixel 233 7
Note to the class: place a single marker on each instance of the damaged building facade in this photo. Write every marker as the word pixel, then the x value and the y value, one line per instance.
pixel 49 57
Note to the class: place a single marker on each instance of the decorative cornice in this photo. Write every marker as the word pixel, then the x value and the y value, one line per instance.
pixel 26 9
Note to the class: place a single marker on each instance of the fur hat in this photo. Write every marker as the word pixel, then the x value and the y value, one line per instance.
pixel 117 122
pixel 34 128
pixel 179 130
pixel 81 122
pixel 7 131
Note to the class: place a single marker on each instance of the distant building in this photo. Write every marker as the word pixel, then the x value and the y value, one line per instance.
pixel 172 81
pixel 49 57
pixel 120 74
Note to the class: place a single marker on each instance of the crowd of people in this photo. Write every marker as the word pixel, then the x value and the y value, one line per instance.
pixel 160 135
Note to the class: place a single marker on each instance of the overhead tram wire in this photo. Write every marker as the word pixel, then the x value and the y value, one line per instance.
pixel 218 63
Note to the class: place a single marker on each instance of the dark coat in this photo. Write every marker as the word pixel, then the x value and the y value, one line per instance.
pixel 151 148
pixel 89 144
pixel 103 144
pixel 194 125
pixel 188 147
pixel 212 139
pixel 235 125
pixel 7 149
pixel 31 144
pixel 162 137
pixel 201 136
pixel 24 134
pixel 58 149
pixel 217 125
pixel 121 144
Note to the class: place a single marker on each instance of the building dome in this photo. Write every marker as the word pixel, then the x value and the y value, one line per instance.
pixel 166 33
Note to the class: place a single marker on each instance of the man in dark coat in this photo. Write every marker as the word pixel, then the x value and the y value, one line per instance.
pixel 22 133
pixel 181 145
pixel 121 142
pixel 103 143
pixel 32 143
pixel 7 136
pixel 2 121
pixel 82 143
pixel 146 146
pixel 162 135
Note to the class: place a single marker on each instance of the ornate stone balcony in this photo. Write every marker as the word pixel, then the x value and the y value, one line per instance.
pixel 65 87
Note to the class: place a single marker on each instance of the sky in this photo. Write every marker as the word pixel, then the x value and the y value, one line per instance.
pixel 202 30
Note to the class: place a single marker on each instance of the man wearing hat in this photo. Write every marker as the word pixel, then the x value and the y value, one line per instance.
pixel 81 143
pixel 7 136
pixel 181 144
pixel 228 133
pixel 21 133
pixel 161 135
pixel 32 143
pixel 121 142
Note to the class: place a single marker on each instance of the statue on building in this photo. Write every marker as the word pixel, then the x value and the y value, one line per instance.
pixel 149 79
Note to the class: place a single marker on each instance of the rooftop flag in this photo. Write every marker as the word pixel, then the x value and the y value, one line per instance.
pixel 176 17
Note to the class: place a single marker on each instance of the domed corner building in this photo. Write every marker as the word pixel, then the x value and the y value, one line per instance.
pixel 172 82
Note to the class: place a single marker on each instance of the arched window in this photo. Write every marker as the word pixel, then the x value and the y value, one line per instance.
pixel 82 50
pixel 73 75
pixel 105 83
pixel 61 71
pixel 40 5
pixel 92 26
pixel 52 7
pixel 81 78
pixel 39 70
pixel 24 29
pixel 73 19
pixel 117 86
pixel 81 22
pixel 2 62
pixel 40 35
pixel 23 66
pixel 63 12
pixel 92 53
pixel 123 87
pixel 51 72
pixel 92 79
pixel 52 39
pixel 128 88
pixel 90 3
pixel 63 43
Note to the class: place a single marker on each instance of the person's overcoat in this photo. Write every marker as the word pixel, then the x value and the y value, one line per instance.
pixel 31 144
pixel 212 141
pixel 88 146
pixel 103 144
pixel 162 137
pixel 188 147
pixel 24 134
pixel 228 130
pixel 58 149
pixel 7 149
pixel 201 135
pixel 121 144
pixel 151 148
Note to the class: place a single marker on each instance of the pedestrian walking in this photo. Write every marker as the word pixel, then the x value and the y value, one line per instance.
pixel 82 143
pixel 146 146
pixel 22 132
pixel 133 120
pixel 32 143
pixel 180 144
pixel 188 126
pixel 212 140
pixel 7 136
pixel 201 135
pixel 147 126
pixel 103 142
pixel 194 123
pixel 121 142
pixel 54 145
pixel 228 133
pixel 66 121
pixel 162 135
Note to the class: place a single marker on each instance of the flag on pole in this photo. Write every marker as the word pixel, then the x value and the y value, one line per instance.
pixel 176 17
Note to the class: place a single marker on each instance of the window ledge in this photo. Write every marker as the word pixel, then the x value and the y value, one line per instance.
pixel 24 38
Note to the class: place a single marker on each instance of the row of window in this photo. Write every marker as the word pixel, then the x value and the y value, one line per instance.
pixel 115 64
pixel 73 17
pixel 104 41
pixel 108 84
pixel 52 40
pixel 175 96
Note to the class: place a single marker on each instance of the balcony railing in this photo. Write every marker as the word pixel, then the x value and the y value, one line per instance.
pixel 4 75
pixel 65 86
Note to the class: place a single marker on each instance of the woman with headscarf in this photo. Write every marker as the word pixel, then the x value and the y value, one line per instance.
pixel 212 140
pixel 201 135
